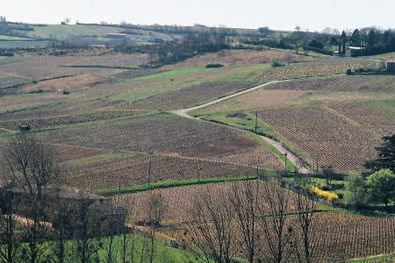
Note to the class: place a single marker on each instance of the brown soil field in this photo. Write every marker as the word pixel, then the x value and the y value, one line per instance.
pixel 179 200
pixel 49 105
pixel 190 95
pixel 110 173
pixel 235 57
pixel 66 152
pixel 65 120
pixel 323 135
pixel 358 83
pixel 71 84
pixel 316 68
pixel 40 67
pixel 366 118
pixel 112 60
pixel 170 135
pixel 255 99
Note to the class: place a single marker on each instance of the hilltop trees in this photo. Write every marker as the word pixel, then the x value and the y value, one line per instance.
pixel 356 38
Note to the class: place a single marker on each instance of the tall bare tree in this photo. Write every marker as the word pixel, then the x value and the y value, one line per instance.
pixel 33 166
pixel 9 238
pixel 156 208
pixel 211 228
pixel 305 208
pixel 277 229
pixel 84 228
pixel 63 231
pixel 245 203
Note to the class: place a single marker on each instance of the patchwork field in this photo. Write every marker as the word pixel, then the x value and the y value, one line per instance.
pixel 126 131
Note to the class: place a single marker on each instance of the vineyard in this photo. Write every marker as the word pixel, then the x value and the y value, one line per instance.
pixel 66 120
pixel 108 121
pixel 111 171
pixel 240 57
pixel 190 95
pixel 150 133
pixel 313 69
pixel 357 83
pixel 179 201
pixel 328 139
pixel 366 118
pixel 337 237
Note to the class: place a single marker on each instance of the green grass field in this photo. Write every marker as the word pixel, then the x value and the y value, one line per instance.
pixel 62 32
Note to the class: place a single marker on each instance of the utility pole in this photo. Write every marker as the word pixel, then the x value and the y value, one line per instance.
pixel 285 163
pixel 256 121
pixel 149 168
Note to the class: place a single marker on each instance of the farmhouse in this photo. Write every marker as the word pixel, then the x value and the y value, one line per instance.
pixel 390 66
pixel 353 51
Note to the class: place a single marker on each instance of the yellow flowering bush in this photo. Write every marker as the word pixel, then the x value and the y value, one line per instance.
pixel 330 196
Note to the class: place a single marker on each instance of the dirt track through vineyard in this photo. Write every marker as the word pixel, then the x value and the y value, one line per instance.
pixel 291 157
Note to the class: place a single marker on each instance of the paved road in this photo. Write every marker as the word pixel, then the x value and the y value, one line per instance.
pixel 291 157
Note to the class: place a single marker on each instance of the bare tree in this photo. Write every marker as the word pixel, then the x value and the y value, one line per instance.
pixel 84 226
pixel 277 230
pixel 9 239
pixel 155 211
pixel 63 231
pixel 244 201
pixel 211 228
pixel 33 166
pixel 305 208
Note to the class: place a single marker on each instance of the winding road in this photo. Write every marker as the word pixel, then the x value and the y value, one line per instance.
pixel 291 157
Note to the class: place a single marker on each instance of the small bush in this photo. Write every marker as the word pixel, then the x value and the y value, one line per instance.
pixel 330 196
pixel 174 244
pixel 276 64
pixel 215 65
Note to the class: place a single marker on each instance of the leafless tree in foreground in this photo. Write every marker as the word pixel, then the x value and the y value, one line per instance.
pixel 33 166
pixel 305 208
pixel 155 211
pixel 9 239
pixel 244 201
pixel 277 229
pixel 211 228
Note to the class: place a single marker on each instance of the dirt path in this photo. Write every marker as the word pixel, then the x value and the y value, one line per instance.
pixel 291 157
pixel 183 112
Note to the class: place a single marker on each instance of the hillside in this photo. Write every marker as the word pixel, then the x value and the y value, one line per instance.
pixel 161 128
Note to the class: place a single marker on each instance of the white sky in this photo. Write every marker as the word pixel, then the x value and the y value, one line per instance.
pixel 277 14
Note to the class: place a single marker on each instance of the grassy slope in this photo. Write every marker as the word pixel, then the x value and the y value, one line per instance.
pixel 62 32
pixel 169 184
